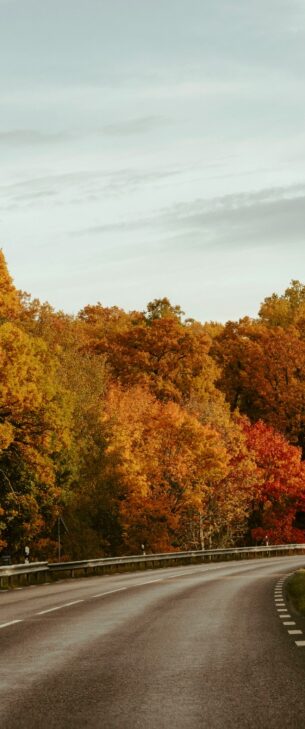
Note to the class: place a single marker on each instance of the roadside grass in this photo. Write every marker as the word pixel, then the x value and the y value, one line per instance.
pixel 295 589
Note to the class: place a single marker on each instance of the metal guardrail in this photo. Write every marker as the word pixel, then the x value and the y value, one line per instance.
pixel 23 574
pixel 173 556
pixel 141 560
pixel 21 569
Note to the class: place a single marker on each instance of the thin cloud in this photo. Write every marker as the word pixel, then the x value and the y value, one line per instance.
pixel 131 127
pixel 84 185
pixel 35 137
pixel 269 216
pixel 31 137
pixel 122 227
pixel 265 218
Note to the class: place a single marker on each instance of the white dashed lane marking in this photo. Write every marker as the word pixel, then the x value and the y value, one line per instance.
pixel 109 592
pixel 148 582
pixel 59 607
pixel 283 614
pixel 295 632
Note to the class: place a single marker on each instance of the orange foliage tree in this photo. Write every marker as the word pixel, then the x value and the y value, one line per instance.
pixel 155 350
pixel 263 375
pixel 168 465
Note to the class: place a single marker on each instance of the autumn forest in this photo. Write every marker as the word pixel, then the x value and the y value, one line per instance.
pixel 149 428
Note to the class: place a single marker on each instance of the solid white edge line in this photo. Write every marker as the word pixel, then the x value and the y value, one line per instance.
pixel 12 622
pixel 59 607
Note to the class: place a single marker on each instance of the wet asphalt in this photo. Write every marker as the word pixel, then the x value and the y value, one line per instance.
pixel 198 647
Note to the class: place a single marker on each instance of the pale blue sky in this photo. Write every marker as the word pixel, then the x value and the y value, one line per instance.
pixel 153 148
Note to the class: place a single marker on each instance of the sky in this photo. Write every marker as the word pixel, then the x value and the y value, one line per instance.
pixel 153 148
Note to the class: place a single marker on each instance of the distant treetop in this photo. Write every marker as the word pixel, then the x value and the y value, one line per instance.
pixel 10 306
pixel 161 309
pixel 285 310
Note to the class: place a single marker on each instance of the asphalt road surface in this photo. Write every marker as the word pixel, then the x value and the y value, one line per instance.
pixel 207 646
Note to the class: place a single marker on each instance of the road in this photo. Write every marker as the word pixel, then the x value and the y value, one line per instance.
pixel 200 647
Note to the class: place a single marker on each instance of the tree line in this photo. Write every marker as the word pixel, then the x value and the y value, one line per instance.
pixel 149 428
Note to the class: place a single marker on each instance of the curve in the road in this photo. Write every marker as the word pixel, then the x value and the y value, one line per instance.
pixel 199 647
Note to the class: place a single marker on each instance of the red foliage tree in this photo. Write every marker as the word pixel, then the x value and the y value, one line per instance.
pixel 279 499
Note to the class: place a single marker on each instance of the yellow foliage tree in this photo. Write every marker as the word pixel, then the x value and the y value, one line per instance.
pixel 10 304
pixel 34 431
